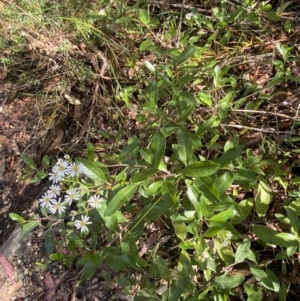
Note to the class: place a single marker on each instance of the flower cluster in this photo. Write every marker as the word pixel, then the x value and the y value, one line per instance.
pixel 58 201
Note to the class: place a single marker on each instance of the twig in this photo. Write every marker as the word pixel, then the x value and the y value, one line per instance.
pixel 187 6
pixel 266 112
pixel 237 126
pixel 177 44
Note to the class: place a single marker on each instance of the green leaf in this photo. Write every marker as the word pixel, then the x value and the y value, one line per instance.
pixel 229 281
pixel 129 149
pixel 57 256
pixel 27 160
pixel 185 268
pixel 207 187
pixel 171 190
pixel 17 218
pixel 158 145
pixel 116 259
pixel 178 287
pixel 244 209
pixel 152 92
pixel 91 152
pixel 256 296
pixel 224 182
pixel 180 230
pixel 27 228
pixel 223 216
pixel 200 169
pixel 144 175
pixel 161 269
pixel 184 146
pixel 242 251
pixel 268 279
pixel 185 55
pixel 272 237
pixel 45 162
pixel 230 155
pixel 92 171
pixel 49 241
pixel 122 196
pixel 263 197
pixel 294 220
pixel 144 16
pixel 91 266
pixel 185 104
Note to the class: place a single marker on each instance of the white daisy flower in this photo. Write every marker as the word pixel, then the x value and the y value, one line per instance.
pixel 54 190
pixel 55 176
pixel 72 195
pixel 81 224
pixel 57 206
pixel 61 167
pixel 74 170
pixel 46 200
pixel 95 201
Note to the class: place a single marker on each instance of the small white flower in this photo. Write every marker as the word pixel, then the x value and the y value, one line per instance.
pixel 95 201
pixel 81 224
pixel 72 195
pixel 55 176
pixel 61 167
pixel 46 200
pixel 74 170
pixel 57 206
pixel 189 16
pixel 54 190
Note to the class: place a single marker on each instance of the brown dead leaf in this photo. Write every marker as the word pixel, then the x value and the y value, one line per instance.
pixel 15 287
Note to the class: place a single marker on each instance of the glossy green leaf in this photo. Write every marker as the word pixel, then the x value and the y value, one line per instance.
pixel 146 154
pixel 230 155
pixel 27 228
pixel 185 104
pixel 224 182
pixel 185 55
pixel 91 266
pixel 170 190
pixel 17 218
pixel 122 196
pixel 184 146
pixel 129 149
pixel 243 210
pixel 57 256
pixel 92 171
pixel 158 146
pixel 293 218
pixel 200 169
pixel 263 197
pixel 180 230
pixel 223 216
pixel 207 188
pixel 152 189
pixel 272 237
pixel 256 296
pixel 49 241
pixel 268 279
pixel 27 160
pixel 144 175
pixel 229 281
pixel 242 251
pixel 144 16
